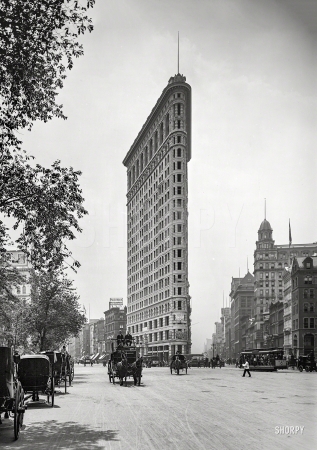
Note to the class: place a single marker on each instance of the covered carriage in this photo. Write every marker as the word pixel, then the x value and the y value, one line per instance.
pixel 178 363
pixel 63 368
pixel 11 391
pixel 37 378
pixel 124 363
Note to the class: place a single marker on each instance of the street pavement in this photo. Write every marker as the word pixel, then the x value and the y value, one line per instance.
pixel 205 409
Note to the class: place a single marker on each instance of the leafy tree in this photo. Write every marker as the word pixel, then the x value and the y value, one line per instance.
pixel 38 42
pixel 10 279
pixel 47 203
pixel 54 312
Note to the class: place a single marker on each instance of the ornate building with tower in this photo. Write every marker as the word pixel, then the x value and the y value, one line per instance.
pixel 158 305
pixel 270 260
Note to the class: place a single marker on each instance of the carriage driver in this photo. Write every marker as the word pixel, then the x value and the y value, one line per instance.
pixel 128 339
pixel 120 338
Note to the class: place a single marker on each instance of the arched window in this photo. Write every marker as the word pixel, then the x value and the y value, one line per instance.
pixel 167 125
pixel 137 168
pixel 146 156
pixel 141 168
pixel 133 174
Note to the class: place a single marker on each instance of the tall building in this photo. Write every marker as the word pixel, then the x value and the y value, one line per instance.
pixel 269 263
pixel 304 306
pixel 115 321
pixel 242 295
pixel 158 309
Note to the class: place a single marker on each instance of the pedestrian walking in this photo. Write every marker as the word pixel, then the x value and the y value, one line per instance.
pixel 246 368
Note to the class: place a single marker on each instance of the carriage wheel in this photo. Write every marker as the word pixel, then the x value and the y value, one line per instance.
pixel 18 414
pixel 300 368
pixel 52 391
pixel 307 368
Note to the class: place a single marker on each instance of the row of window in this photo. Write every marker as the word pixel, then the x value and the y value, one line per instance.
pixel 152 148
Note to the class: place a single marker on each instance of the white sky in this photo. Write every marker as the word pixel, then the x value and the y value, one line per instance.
pixel 252 68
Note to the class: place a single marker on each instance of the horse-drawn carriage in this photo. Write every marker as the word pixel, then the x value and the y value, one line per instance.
pixel 178 362
pixel 11 391
pixel 125 363
pixel 306 363
pixel 63 368
pixel 35 373
pixel 217 362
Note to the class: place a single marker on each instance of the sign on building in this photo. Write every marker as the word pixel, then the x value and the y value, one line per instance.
pixel 115 303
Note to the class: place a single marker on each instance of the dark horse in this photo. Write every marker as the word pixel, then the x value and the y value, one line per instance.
pixel 122 370
pixel 137 371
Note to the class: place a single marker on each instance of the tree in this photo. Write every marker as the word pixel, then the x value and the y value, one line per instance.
pixel 54 312
pixel 47 203
pixel 10 279
pixel 38 42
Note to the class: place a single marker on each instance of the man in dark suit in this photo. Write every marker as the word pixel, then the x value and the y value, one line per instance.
pixel 120 338
pixel 128 339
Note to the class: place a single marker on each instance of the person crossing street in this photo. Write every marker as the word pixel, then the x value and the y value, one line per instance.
pixel 246 368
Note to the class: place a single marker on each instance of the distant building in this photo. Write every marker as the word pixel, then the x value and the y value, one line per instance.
pixel 115 321
pixel 270 261
pixel 18 260
pixel 304 306
pixel 287 300
pixel 242 297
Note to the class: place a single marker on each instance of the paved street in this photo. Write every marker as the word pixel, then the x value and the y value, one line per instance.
pixel 206 409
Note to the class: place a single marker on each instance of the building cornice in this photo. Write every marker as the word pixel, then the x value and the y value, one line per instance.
pixel 173 85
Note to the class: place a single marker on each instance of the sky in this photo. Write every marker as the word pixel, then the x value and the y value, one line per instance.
pixel 252 68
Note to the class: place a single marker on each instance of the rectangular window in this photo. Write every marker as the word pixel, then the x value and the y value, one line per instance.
pixel 311 322
pixel 305 322
pixel 179 304
pixel 179 291
pixel 179 177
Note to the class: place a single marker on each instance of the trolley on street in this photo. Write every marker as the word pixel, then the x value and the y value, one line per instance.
pixel 11 391
pixel 264 360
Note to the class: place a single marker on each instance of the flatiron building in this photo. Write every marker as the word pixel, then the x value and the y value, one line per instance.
pixel 158 301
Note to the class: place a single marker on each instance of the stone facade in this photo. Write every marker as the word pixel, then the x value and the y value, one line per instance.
pixel 158 309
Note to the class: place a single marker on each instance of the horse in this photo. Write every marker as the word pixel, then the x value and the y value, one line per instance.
pixel 137 371
pixel 122 370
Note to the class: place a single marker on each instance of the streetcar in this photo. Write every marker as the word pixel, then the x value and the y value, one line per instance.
pixel 264 360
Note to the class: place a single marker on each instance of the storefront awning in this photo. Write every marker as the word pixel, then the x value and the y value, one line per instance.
pixel 95 357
